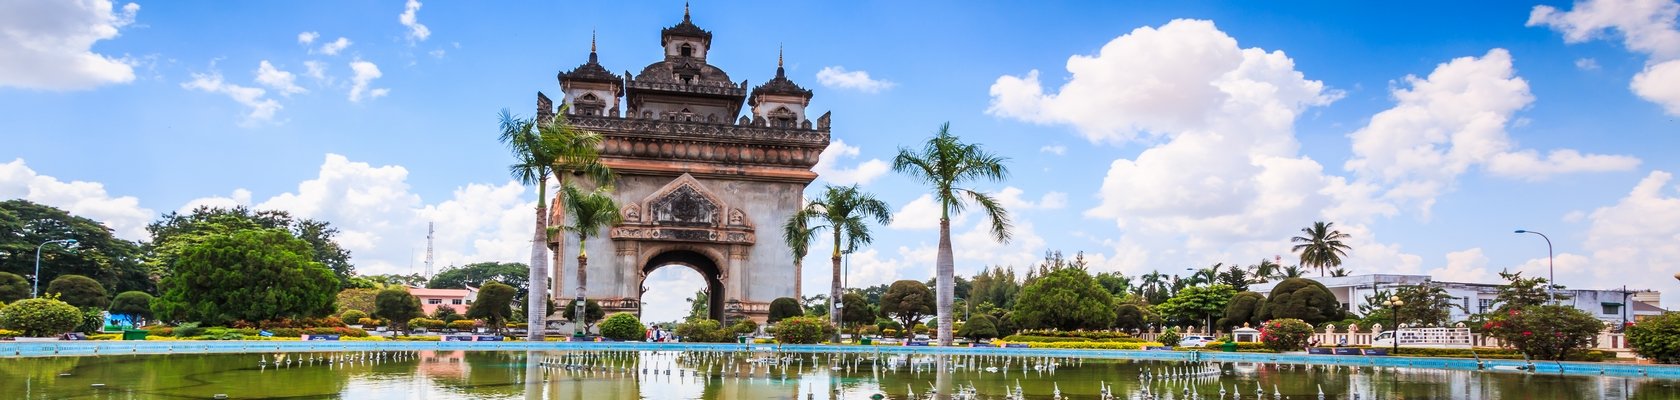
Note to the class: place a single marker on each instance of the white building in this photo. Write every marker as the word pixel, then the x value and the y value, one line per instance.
pixel 1611 306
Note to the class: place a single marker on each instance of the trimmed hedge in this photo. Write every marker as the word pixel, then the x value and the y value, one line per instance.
pixel 1056 339
pixel 1246 347
pixel 1092 345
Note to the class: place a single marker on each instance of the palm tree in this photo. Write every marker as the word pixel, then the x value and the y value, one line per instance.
pixel 944 163
pixel 844 210
pixel 544 149
pixel 590 212
pixel 1293 271
pixel 1320 246
pixel 1338 272
pixel 798 234
pixel 1265 270
pixel 1154 287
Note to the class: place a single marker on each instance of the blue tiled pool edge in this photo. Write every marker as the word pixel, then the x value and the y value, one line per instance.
pixel 100 348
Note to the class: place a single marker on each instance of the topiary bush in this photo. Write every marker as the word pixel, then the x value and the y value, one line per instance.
pixel 784 307
pixel 1286 334
pixel 40 317
pixel 463 325
pixel 79 291
pixel 623 326
pixel 704 331
pixel 352 315
pixel 190 329
pixel 1657 338
pixel 801 330
pixel 745 327
pixel 1168 338
pixel 980 327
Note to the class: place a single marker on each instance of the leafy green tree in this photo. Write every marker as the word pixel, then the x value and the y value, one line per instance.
pixel 1066 298
pixel 858 311
pixel 494 305
pixel 1657 338
pixel 783 307
pixel 1168 337
pixel 355 299
pixel 907 301
pixel 133 303
pixel 623 326
pixel 845 212
pixel 478 274
pixel 1115 283
pixel 383 281
pixel 13 287
pixel 250 275
pixel 945 164
pixel 175 231
pixel 590 212
pixel 1235 277
pixel 994 285
pixel 1426 305
pixel 979 328
pixel 699 306
pixel 117 264
pixel 79 291
pixel 798 234
pixel 1545 332
pixel 801 330
pixel 703 331
pixel 1302 299
pixel 447 314
pixel 1265 271
pixel 592 313
pixel 40 317
pixel 1244 308
pixel 1198 304
pixel 1154 287
pixel 816 306
pixel 1321 246
pixel 397 306
pixel 1519 292
pixel 1129 317
pixel 543 149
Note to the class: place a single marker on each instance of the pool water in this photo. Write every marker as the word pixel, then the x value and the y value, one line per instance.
pixel 630 374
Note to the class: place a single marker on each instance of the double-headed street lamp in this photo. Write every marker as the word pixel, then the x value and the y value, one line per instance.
pixel 1551 276
pixel 1393 303
pixel 36 290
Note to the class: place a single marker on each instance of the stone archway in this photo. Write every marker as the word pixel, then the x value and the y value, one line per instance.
pixel 700 263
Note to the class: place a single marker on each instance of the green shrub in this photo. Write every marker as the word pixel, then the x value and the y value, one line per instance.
pixel 40 317
pixel 1545 332
pixel 352 315
pixel 93 320
pixel 1089 345
pixel 1286 334
pixel 1657 338
pixel 1168 337
pixel 463 325
pixel 133 303
pixel 1220 346
pixel 801 330
pixel 745 327
pixel 980 327
pixel 189 329
pixel 704 331
pixel 623 326
pixel 79 291
pixel 889 332
pixel 784 307
pixel 1093 335
pixel 427 323
pixel 365 321
pixel 8 334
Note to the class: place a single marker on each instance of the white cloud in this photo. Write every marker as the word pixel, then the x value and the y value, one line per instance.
pixel 123 214
pixel 281 81
pixel 307 38
pixel 1053 200
pixel 1468 266
pixel 416 30
pixel 383 223
pixel 1451 121
pixel 315 69
pixel 1053 149
pixel 334 47
pixel 1638 238
pixel 1586 64
pixel 1010 199
pixel 240 197
pixel 261 108
pixel 1646 26
pixel 837 77
pixel 828 168
pixel 921 213
pixel 436 53
pixel 48 44
pixel 365 73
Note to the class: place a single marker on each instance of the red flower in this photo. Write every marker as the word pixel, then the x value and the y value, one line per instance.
pixel 1527 333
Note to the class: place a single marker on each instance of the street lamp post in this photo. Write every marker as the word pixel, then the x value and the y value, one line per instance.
pixel 1393 303
pixel 1551 276
pixel 35 290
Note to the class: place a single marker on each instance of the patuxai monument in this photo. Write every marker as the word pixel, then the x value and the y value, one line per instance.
pixel 701 184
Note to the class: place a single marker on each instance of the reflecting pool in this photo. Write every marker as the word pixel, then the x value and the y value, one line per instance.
pixel 610 374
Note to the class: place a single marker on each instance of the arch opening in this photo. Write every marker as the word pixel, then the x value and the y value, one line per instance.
pixel 699 263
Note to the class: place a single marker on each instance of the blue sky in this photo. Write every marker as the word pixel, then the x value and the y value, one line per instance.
pixel 1154 136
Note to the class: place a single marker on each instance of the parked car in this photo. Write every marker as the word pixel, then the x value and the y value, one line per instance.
pixel 1195 340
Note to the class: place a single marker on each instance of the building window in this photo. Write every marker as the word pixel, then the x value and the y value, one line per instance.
pixel 1612 308
pixel 455 301
pixel 1482 305
pixel 687 51
pixel 434 301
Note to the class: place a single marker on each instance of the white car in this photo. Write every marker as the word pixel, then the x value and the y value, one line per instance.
pixel 1195 340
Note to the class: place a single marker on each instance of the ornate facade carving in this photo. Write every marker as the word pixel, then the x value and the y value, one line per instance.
pixel 684 210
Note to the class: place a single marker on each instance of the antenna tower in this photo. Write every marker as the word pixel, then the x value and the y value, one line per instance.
pixel 429 250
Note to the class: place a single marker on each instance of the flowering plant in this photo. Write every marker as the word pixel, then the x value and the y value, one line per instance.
pixel 1285 334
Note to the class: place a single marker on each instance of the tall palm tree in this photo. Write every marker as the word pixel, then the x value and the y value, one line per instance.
pixel 945 163
pixel 590 212
pixel 1154 286
pixel 1320 246
pixel 1265 270
pixel 1293 271
pixel 844 212
pixel 544 149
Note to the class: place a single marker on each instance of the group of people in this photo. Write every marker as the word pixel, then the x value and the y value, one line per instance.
pixel 656 334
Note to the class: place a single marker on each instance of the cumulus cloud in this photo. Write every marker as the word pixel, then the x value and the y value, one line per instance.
pixel 281 81
pixel 416 30
pixel 259 107
pixel 921 213
pixel 48 44
pixel 361 82
pixel 383 223
pixel 1586 64
pixel 1053 149
pixel 307 38
pixel 1468 265
pixel 123 214
pixel 828 165
pixel 334 47
pixel 1637 239
pixel 837 77
pixel 1010 199
pixel 1645 26
pixel 315 69
pixel 1455 119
